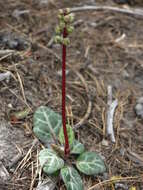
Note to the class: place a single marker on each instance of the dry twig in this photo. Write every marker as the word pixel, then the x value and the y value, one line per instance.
pixel 132 11
pixel 6 51
pixel 110 114
pixel 27 156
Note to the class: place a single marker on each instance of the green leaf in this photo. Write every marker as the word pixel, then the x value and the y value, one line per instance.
pixel 49 161
pixel 90 163
pixel 71 178
pixel 77 147
pixel 21 114
pixel 46 123
pixel 70 132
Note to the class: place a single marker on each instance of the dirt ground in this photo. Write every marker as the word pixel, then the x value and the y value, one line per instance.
pixel 106 49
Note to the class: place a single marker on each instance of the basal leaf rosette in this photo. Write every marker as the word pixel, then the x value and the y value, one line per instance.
pixel 46 123
pixel 90 163
pixel 71 178
pixel 49 161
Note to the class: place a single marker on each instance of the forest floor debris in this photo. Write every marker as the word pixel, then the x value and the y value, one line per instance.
pixel 106 50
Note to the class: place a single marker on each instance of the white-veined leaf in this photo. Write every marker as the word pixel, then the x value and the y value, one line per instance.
pixel 77 147
pixel 46 123
pixel 71 178
pixel 70 133
pixel 49 161
pixel 90 163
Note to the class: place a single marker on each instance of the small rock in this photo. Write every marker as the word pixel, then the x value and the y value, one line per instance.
pixel 13 41
pixel 105 142
pixel 125 74
pixel 59 73
pixel 122 152
pixel 139 107
pixel 6 76
pixel 121 186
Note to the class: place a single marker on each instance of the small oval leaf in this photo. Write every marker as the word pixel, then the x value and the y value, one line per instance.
pixel 46 123
pixel 90 163
pixel 70 132
pixel 21 114
pixel 71 178
pixel 77 147
pixel 49 161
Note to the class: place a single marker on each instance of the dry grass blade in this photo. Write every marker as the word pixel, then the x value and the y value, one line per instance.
pixel 69 115
pixel 21 85
pixel 27 157
pixel 120 179
pixel 89 108
pixel 86 116
pixel 34 176
pixel 5 56
pixel 16 95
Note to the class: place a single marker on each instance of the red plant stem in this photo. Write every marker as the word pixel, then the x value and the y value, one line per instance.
pixel 67 149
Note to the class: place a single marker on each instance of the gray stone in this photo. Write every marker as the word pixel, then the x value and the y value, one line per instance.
pixel 139 107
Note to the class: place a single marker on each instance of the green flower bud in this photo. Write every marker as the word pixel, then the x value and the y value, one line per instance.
pixel 69 18
pixel 61 25
pixel 70 29
pixel 61 17
pixel 67 11
pixel 66 41
pixel 58 30
pixel 61 12
pixel 58 39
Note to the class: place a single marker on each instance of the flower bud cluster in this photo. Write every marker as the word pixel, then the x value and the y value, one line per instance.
pixel 65 23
